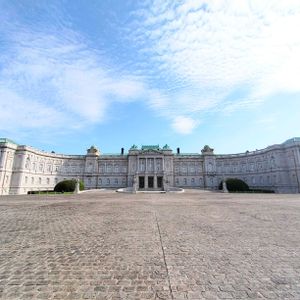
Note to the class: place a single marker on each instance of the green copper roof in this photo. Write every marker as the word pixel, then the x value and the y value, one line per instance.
pixel 150 147
pixel 293 140
pixel 4 140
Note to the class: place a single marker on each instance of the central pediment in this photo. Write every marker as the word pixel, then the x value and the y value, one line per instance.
pixel 151 151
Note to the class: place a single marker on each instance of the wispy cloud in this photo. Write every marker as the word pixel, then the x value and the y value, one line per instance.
pixel 55 82
pixel 206 50
pixel 183 59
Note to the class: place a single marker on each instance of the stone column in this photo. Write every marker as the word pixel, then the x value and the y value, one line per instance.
pixel 155 182
pixel 2 158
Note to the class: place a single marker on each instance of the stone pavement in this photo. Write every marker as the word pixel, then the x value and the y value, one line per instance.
pixel 195 245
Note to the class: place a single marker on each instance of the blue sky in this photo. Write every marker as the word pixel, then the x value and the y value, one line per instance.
pixel 116 73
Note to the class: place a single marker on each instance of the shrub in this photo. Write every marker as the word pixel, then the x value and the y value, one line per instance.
pixel 68 186
pixel 39 192
pixel 235 185
pixel 262 191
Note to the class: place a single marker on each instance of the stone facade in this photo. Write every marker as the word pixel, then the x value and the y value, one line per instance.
pixel 24 169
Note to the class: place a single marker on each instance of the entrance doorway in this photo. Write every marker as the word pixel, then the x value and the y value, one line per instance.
pixel 141 182
pixel 159 182
pixel 150 182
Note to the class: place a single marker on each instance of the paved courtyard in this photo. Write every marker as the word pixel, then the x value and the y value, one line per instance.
pixel 104 245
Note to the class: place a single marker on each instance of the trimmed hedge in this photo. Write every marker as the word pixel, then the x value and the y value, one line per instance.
pixel 68 186
pixel 235 185
pixel 262 191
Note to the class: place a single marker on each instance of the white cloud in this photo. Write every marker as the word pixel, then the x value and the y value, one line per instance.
pixel 58 81
pixel 195 55
pixel 206 50
pixel 184 125
pixel 17 112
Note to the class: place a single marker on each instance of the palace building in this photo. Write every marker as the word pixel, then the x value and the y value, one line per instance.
pixel 24 169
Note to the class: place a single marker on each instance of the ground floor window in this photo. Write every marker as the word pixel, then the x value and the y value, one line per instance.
pixel 150 182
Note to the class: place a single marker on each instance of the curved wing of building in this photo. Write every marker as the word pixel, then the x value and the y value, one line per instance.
pixel 24 169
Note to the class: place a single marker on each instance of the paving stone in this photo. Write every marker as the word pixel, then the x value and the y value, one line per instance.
pixel 195 245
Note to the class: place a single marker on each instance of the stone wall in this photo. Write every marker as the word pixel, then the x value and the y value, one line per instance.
pixel 24 168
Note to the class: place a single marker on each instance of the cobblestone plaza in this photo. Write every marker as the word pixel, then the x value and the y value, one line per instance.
pixel 194 245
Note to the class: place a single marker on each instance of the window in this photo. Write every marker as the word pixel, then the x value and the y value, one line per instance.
pixel 142 164
pixel 48 180
pixel 177 181
pixel 32 180
pixel 116 181
pixel 100 181
pixel 27 164
pixel 40 180
pixel 108 181
pixel 26 179
pixel 184 181
pixel 193 181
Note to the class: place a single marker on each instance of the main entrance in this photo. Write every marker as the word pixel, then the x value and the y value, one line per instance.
pixel 150 182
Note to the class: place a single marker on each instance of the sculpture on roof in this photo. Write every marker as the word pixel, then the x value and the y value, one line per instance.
pixel 207 150
pixel 93 150
pixel 133 147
